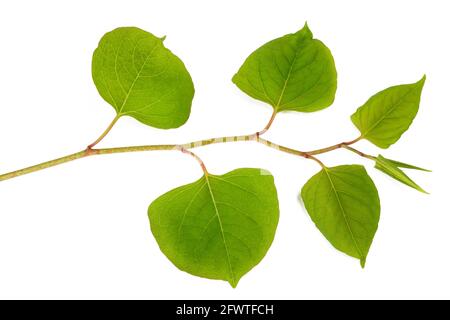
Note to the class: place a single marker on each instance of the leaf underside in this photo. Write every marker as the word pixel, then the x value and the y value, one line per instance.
pixel 343 202
pixel 388 114
pixel 218 227
pixel 294 72
pixel 140 78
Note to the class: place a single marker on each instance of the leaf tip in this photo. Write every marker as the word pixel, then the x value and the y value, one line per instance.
pixel 421 82
pixel 163 38
pixel 305 32
pixel 234 78
pixel 362 262
pixel 306 27
pixel 233 283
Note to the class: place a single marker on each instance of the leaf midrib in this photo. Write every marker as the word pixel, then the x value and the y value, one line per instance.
pixel 393 107
pixel 344 214
pixel 136 78
pixel 286 81
pixel 233 279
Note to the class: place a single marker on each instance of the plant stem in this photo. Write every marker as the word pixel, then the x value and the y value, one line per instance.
pixel 334 147
pixel 362 154
pixel 266 128
pixel 43 165
pixel 182 147
pixel 185 147
pixel 303 154
pixel 196 157
pixel 108 129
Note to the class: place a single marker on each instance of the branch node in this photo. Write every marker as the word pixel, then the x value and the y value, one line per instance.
pixel 89 151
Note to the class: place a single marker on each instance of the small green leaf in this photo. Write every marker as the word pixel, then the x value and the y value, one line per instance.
pixel 343 202
pixel 294 72
pixel 389 113
pixel 391 168
pixel 140 78
pixel 406 166
pixel 218 227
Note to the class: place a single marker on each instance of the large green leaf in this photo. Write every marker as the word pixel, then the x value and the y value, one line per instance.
pixel 294 72
pixel 343 202
pixel 139 77
pixel 391 168
pixel 218 227
pixel 389 113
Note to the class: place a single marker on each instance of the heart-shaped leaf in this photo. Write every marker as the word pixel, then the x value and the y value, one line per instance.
pixel 141 78
pixel 294 72
pixel 391 168
pixel 218 227
pixel 343 202
pixel 388 114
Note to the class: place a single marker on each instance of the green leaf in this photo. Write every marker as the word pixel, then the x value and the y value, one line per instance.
pixel 391 168
pixel 294 72
pixel 218 227
pixel 389 113
pixel 140 78
pixel 406 166
pixel 343 202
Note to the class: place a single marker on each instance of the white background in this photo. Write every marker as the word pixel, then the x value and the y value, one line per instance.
pixel 80 230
